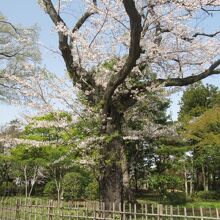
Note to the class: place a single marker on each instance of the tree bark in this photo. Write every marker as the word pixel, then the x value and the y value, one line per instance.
pixel 111 173
pixel 205 180
pixel 114 180
pixel 33 181
pixel 185 181
pixel 191 185
pixel 127 192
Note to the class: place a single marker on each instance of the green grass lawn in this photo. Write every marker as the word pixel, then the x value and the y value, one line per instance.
pixel 204 204
pixel 190 202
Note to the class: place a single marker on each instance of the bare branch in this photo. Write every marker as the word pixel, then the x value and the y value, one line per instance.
pixel 8 55
pixel 100 29
pixel 206 35
pixel 59 4
pixel 82 20
pixel 121 23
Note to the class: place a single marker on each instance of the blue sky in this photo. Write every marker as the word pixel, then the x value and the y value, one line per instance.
pixel 28 12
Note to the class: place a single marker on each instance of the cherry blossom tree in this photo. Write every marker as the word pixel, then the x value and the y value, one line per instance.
pixel 18 54
pixel 117 51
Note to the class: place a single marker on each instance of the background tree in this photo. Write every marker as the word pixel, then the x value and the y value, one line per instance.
pixel 140 134
pixel 203 134
pixel 28 163
pixel 46 151
pixel 19 56
pixel 10 130
pixel 197 99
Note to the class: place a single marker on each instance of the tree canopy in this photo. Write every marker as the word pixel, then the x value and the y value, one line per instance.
pixel 197 99
pixel 19 55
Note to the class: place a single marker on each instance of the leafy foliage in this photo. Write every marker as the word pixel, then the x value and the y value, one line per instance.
pixel 176 198
pixel 74 184
pixel 197 99
pixel 207 196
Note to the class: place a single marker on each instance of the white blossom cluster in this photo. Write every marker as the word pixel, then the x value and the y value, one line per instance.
pixel 89 143
pixel 9 142
pixel 171 50
pixel 56 123
pixel 44 92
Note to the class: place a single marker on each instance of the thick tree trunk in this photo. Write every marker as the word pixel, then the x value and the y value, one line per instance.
pixel 199 181
pixel 111 174
pixel 114 179
pixel 127 193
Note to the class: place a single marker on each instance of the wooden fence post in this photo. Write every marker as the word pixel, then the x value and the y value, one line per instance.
pixel 201 213
pixel 210 212
pixel 61 209
pixel 35 209
pixel 124 211
pixel 135 212
pixel 113 209
pixel 185 213
pixel 193 211
pixel 17 210
pixel 178 210
pixel 94 211
pixel 86 210
pixel 130 215
pixel 166 210
pixel 50 210
pixel 171 212
pixel 158 211
pixel 77 210
pixel 142 211
pixel 146 212
pixel 2 207
pixel 152 208
pixel 217 213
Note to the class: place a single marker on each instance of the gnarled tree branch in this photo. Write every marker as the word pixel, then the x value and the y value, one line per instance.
pixel 190 79
pixel 82 20
pixel 63 39
pixel 77 73
pixel 134 53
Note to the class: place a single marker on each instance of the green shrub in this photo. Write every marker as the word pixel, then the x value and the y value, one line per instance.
pixel 92 190
pixel 50 190
pixel 209 195
pixel 176 198
pixel 7 189
pixel 74 186
pixel 162 183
